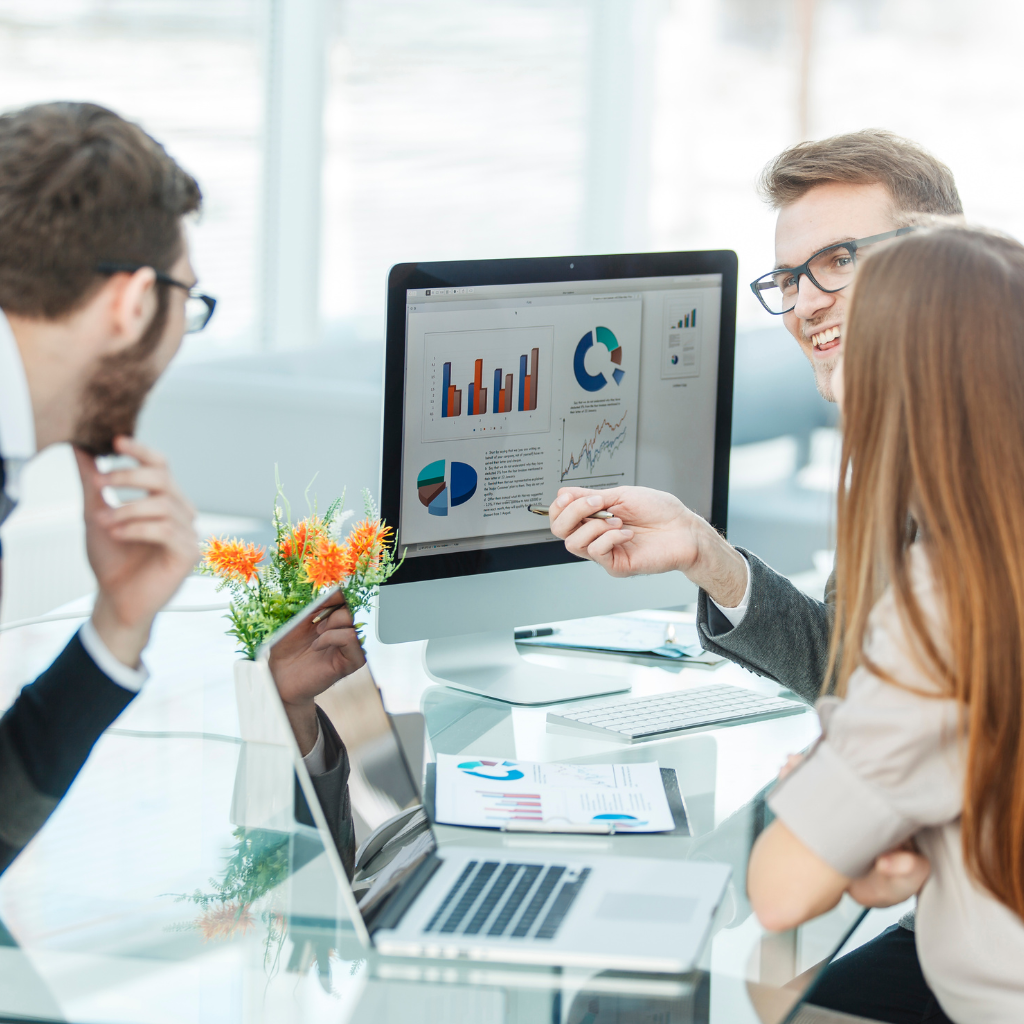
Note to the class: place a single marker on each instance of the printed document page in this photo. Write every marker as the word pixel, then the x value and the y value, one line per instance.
pixel 498 793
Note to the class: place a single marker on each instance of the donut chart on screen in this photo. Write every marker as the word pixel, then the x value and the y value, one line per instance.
pixel 592 381
pixel 443 485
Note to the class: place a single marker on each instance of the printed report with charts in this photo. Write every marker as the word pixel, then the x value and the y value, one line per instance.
pixel 487 792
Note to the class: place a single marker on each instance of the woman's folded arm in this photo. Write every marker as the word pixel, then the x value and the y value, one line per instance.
pixel 787 882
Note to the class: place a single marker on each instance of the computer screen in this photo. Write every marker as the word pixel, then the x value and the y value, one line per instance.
pixel 513 390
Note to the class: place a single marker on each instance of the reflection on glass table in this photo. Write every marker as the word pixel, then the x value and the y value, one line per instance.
pixel 175 802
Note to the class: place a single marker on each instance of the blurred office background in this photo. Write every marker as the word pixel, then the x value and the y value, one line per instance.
pixel 333 138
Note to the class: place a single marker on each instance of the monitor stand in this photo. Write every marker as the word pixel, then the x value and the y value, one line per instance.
pixel 490 664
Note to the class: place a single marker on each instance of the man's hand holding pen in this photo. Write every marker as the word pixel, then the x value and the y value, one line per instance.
pixel 309 660
pixel 650 532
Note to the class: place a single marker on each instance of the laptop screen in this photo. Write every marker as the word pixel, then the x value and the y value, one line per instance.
pixel 376 819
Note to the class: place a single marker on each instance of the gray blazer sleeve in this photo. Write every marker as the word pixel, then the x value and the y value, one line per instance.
pixel 784 635
pixel 332 792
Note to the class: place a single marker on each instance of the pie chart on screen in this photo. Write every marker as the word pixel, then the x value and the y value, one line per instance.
pixel 444 484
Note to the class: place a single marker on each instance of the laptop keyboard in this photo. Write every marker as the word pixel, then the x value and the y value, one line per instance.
pixel 521 901
pixel 645 717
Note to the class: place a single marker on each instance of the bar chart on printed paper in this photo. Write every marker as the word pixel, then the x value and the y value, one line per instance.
pixel 501 806
pixel 487 382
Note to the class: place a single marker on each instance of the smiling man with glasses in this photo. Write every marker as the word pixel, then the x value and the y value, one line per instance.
pixel 834 199
pixel 96 291
pixel 826 273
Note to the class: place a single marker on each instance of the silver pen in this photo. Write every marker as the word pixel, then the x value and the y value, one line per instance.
pixel 544 510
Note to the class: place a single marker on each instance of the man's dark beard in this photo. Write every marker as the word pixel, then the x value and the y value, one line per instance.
pixel 113 398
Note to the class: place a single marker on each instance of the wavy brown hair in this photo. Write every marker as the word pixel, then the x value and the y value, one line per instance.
pixel 80 186
pixel 934 428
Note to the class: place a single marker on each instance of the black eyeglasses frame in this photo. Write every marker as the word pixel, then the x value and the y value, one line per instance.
pixel 804 268
pixel 130 268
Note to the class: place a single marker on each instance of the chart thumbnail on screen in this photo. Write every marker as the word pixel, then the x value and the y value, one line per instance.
pixel 445 484
pixel 504 397
pixel 596 381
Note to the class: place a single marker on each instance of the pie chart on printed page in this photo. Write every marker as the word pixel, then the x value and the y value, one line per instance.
pixel 445 484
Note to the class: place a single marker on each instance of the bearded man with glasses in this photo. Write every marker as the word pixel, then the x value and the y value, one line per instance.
pixel 96 291
pixel 834 198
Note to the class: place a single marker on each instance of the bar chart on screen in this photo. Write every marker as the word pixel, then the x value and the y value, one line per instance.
pixel 482 383
pixel 680 356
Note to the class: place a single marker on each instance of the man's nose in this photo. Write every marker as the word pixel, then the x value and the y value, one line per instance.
pixel 811 301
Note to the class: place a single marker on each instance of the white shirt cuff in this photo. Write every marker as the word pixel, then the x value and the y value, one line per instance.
pixel 130 678
pixel 736 615
pixel 316 760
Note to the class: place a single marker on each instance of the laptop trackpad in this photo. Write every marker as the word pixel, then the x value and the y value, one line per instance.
pixel 630 906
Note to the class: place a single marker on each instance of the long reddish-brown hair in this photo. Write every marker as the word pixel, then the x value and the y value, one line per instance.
pixel 934 429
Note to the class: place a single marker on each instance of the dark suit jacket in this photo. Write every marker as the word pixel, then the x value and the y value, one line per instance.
pixel 784 635
pixel 47 733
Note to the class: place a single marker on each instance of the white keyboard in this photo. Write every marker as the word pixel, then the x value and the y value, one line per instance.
pixel 640 718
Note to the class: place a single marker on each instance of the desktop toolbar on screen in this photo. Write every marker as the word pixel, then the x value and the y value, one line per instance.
pixel 513 391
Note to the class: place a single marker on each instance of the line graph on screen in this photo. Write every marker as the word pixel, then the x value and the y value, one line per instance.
pixel 597 452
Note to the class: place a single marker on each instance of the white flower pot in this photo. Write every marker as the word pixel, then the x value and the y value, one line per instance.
pixel 264 793
pixel 258 719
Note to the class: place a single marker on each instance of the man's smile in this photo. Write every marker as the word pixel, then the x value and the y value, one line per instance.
pixel 826 340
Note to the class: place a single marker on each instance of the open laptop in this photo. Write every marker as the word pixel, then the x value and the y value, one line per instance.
pixel 408 897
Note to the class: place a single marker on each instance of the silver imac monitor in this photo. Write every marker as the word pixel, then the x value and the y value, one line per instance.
pixel 507 379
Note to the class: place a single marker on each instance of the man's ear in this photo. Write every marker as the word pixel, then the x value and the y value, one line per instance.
pixel 131 306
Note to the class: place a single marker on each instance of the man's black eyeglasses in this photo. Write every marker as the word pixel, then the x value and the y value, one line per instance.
pixel 829 269
pixel 198 307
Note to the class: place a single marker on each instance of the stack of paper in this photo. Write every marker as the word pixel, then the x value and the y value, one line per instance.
pixel 628 634
pixel 531 796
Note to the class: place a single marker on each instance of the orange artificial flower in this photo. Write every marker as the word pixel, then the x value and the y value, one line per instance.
pixel 365 544
pixel 233 559
pixel 226 921
pixel 301 538
pixel 327 563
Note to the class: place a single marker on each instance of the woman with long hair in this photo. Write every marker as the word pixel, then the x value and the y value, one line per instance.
pixel 923 735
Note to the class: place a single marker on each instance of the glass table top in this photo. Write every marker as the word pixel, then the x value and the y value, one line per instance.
pixel 173 882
